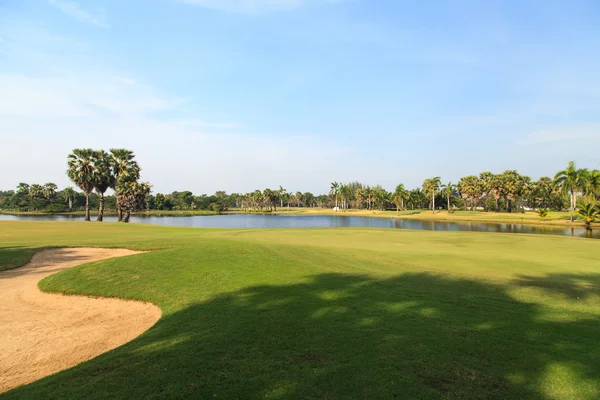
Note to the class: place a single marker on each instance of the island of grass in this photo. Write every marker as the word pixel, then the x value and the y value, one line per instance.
pixel 344 313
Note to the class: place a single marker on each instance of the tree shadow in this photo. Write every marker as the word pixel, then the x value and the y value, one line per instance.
pixel 572 286
pixel 415 336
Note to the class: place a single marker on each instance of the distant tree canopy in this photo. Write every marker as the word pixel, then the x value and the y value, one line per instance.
pixel 507 191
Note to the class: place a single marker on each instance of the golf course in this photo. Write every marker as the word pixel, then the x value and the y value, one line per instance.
pixel 330 313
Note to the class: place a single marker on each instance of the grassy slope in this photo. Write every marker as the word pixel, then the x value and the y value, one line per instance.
pixel 351 313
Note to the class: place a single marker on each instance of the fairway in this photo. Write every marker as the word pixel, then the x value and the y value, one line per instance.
pixel 332 313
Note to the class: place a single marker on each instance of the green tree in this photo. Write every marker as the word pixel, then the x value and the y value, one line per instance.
pixel 125 169
pixel 399 197
pixel 69 195
pixel 589 212
pixel 448 190
pixel 470 188
pixel 81 172
pixel 103 177
pixel 333 191
pixel 132 196
pixel 592 185
pixel 50 190
pixel 571 180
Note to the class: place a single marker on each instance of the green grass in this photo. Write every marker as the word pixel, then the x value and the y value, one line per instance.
pixel 333 314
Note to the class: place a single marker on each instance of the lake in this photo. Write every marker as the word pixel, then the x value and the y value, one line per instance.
pixel 249 221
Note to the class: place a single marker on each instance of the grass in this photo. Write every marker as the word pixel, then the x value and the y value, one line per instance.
pixel 333 314
pixel 94 213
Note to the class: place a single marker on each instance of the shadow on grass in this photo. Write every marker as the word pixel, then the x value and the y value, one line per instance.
pixel 572 286
pixel 345 336
pixel 16 256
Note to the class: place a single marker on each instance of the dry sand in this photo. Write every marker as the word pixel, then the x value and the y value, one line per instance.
pixel 41 333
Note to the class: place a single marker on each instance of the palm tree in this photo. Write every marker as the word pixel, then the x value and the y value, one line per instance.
pixel 449 190
pixel 124 168
pixel 36 191
pixel 50 190
pixel 69 195
pixel 132 196
pixel 431 186
pixel 570 181
pixel 592 185
pixel 470 187
pixel 590 213
pixel 400 194
pixel 103 177
pixel 81 172
pixel 333 191
pixel 282 194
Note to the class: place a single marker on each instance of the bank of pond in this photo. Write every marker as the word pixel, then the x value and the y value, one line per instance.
pixel 258 221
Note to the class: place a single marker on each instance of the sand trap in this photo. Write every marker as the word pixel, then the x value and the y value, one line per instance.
pixel 41 334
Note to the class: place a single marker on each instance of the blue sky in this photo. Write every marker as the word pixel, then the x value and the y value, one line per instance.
pixel 247 94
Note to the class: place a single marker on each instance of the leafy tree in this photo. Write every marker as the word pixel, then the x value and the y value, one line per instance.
pixel 81 172
pixel 50 190
pixel 571 180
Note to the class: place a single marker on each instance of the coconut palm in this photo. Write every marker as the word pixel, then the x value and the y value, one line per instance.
pixel 448 189
pixel 333 191
pixel 592 185
pixel 282 194
pixel 589 212
pixel 400 195
pixel 103 177
pixel 430 187
pixel 68 194
pixel 124 168
pixel 81 172
pixel 571 180
pixel 543 213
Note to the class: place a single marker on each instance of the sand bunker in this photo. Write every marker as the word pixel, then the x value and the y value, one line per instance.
pixel 41 333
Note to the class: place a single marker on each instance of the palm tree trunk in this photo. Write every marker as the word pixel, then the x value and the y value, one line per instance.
pixel 127 216
pixel 87 206
pixel 573 201
pixel 448 202
pixel 101 208
pixel 433 202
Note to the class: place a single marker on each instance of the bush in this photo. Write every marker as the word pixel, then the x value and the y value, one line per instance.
pixel 56 208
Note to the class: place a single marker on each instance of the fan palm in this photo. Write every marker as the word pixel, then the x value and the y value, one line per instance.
pixel 68 195
pixel 132 196
pixel 103 177
pixel 570 181
pixel 50 190
pixel 124 168
pixel 81 172
pixel 592 185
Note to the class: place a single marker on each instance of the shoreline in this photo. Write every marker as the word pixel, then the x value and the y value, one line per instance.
pixel 441 216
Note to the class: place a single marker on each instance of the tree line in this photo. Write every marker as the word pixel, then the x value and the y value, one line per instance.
pixel 95 171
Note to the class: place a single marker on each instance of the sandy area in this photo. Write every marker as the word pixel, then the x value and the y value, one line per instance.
pixel 41 334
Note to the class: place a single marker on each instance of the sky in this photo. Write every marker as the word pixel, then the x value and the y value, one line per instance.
pixel 239 95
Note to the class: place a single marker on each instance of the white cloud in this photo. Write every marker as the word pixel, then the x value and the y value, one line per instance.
pixel 73 9
pixel 254 6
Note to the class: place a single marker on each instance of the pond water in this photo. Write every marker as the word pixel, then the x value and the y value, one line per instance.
pixel 248 221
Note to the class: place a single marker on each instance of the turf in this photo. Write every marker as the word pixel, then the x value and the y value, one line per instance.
pixel 333 314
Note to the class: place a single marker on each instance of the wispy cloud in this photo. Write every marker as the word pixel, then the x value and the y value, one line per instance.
pixel 561 135
pixel 73 9
pixel 254 6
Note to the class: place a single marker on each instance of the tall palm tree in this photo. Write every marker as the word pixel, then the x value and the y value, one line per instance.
pixel 36 191
pixel 132 196
pixel 592 185
pixel 449 190
pixel 431 186
pixel 103 177
pixel 125 168
pixel 333 191
pixel 81 172
pixel 470 187
pixel 571 180
pixel 282 194
pixel 400 195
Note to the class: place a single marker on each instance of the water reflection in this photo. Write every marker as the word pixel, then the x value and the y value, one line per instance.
pixel 326 221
